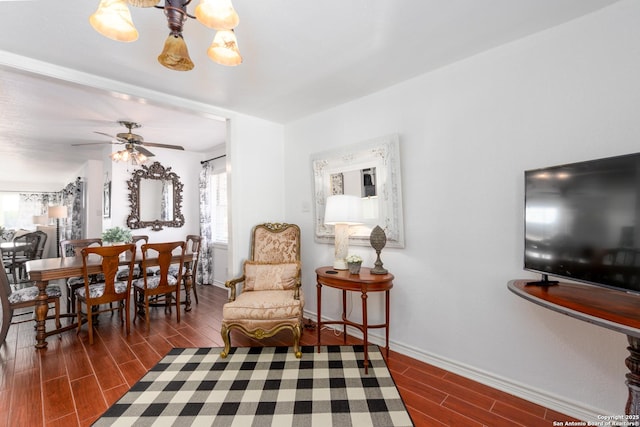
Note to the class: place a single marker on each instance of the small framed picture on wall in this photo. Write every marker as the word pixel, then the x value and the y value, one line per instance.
pixel 106 200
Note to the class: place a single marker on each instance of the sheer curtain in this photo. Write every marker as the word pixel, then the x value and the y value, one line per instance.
pixel 31 204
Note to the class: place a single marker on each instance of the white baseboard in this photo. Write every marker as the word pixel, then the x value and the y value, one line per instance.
pixel 548 400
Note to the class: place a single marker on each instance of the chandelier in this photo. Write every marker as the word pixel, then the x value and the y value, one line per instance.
pixel 129 154
pixel 113 20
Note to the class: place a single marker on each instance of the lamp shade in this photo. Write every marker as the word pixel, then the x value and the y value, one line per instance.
pixel 57 212
pixel 224 48
pixel 217 14
pixel 113 20
pixel 40 219
pixel 343 209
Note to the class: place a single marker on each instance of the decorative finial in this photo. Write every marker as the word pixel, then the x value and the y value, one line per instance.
pixel 378 241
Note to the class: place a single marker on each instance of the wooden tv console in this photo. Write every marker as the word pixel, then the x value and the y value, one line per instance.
pixel 616 310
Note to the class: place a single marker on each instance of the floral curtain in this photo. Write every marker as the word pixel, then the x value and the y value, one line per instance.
pixel 205 265
pixel 73 199
pixel 166 202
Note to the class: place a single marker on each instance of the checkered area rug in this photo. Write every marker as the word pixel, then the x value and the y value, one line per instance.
pixel 263 386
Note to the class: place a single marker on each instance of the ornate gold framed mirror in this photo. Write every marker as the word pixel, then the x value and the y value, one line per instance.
pixel 155 196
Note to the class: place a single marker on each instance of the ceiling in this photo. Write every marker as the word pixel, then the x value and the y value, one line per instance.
pixel 300 57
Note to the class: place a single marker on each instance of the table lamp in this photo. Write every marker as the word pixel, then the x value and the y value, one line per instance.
pixel 57 212
pixel 342 211
pixel 40 219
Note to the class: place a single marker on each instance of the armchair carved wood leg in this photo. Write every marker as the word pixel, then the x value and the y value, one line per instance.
pixel 296 340
pixel 226 337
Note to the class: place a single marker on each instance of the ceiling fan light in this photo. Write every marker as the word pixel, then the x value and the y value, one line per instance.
pixel 143 3
pixel 224 49
pixel 113 20
pixel 217 14
pixel 138 158
pixel 120 156
pixel 175 54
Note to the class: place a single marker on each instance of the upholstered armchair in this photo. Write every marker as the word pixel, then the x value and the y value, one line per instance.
pixel 270 299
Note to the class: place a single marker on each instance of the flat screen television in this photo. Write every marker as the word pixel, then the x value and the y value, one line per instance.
pixel 582 222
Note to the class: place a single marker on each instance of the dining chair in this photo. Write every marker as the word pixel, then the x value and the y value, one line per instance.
pixel 69 248
pixel 123 272
pixel 192 249
pixel 23 298
pixel 163 286
pixel 110 289
pixel 27 248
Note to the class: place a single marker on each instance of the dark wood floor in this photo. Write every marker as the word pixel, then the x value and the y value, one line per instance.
pixel 71 383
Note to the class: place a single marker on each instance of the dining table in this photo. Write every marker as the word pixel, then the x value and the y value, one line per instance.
pixel 12 246
pixel 42 271
pixel 8 248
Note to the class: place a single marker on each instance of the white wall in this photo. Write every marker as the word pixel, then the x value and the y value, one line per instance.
pixel 187 166
pixel 92 174
pixel 468 131
pixel 256 186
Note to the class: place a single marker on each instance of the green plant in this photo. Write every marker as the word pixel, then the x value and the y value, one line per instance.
pixel 117 234
pixel 353 259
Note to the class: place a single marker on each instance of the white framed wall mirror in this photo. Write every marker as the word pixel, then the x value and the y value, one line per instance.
pixel 370 170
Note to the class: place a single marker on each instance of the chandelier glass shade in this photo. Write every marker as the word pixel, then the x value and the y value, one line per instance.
pixel 175 54
pixel 129 154
pixel 143 3
pixel 224 49
pixel 217 14
pixel 113 20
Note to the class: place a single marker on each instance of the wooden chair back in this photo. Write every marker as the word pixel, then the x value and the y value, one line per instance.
pixel 140 240
pixel 194 242
pixel 30 248
pixel 162 253
pixel 42 241
pixel 110 261
pixel 7 311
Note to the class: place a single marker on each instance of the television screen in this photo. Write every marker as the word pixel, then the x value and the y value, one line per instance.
pixel 582 222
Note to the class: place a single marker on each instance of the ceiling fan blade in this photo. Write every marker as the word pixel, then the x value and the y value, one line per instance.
pixel 104 133
pixel 144 151
pixel 91 143
pixel 153 144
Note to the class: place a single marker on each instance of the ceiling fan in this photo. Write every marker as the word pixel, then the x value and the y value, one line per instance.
pixel 131 141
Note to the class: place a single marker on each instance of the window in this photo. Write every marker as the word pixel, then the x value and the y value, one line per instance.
pixel 17 212
pixel 219 228
pixel 9 211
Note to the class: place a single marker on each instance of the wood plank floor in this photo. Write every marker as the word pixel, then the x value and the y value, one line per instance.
pixel 72 383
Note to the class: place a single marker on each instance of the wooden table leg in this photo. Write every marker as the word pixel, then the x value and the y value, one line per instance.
pixel 365 331
pixel 319 323
pixel 344 315
pixel 41 310
pixel 633 377
pixel 386 320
